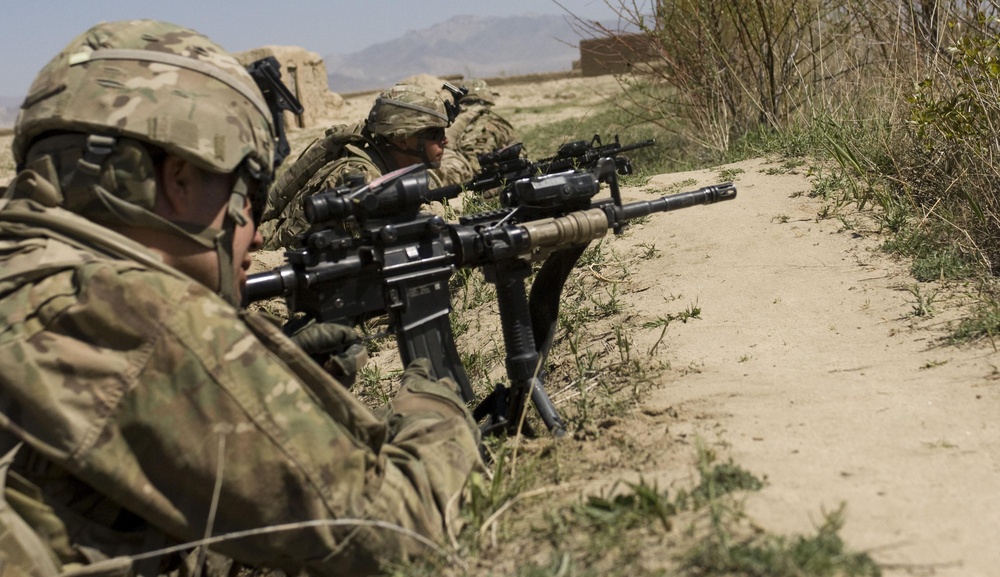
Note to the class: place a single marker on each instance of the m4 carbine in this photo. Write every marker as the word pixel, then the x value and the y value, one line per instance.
pixel 397 261
pixel 584 154
pixel 504 166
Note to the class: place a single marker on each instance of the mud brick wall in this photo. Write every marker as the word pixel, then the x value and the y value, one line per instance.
pixel 304 73
pixel 613 54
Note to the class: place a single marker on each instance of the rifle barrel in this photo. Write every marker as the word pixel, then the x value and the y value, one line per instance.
pixel 706 195
pixel 583 226
pixel 593 152
pixel 269 284
pixel 637 145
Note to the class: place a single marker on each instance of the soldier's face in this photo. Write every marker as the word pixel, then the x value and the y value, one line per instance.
pixel 202 198
pixel 434 142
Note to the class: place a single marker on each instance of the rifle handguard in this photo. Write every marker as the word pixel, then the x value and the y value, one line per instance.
pixel 575 228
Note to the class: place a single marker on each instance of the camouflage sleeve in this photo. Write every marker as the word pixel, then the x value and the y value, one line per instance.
pixel 486 133
pixel 152 390
pixel 455 168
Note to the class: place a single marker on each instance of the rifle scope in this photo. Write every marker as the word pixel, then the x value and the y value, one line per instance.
pixel 401 192
pixel 500 155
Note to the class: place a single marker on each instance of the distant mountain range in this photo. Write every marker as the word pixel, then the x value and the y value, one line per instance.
pixel 473 46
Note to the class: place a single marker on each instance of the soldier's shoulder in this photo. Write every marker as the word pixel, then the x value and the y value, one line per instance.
pixel 126 292
pixel 354 159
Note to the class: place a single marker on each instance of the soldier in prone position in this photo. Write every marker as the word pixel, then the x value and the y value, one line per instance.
pixel 478 129
pixel 140 405
pixel 406 126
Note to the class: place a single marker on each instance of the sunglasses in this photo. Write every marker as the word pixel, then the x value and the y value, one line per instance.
pixel 435 134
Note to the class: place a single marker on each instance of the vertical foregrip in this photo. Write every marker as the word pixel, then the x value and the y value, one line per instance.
pixel 519 341
pixel 522 352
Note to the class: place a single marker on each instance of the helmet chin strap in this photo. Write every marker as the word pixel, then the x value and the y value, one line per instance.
pixel 235 217
pixel 226 236
pixel 220 240
pixel 419 152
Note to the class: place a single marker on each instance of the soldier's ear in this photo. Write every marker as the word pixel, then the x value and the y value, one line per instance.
pixel 176 182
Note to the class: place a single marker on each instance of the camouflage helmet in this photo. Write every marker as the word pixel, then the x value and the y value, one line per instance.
pixel 122 85
pixel 479 91
pixel 115 80
pixel 404 110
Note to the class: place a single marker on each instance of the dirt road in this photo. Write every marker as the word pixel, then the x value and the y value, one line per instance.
pixel 810 367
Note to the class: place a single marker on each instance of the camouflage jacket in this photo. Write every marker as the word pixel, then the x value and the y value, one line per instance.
pixel 455 168
pixel 284 217
pixel 477 130
pixel 139 393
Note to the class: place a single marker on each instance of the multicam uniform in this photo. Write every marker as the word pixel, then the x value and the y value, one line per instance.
pixel 136 388
pixel 482 130
pixel 401 111
pixel 149 409
pixel 476 130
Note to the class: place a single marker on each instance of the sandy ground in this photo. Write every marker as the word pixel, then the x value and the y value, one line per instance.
pixel 808 366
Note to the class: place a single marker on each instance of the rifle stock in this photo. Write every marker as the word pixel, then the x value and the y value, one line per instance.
pixel 400 267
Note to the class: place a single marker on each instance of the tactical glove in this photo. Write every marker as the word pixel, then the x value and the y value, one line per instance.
pixel 336 347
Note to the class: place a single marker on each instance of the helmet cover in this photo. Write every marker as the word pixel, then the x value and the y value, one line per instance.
pixel 154 82
pixel 406 109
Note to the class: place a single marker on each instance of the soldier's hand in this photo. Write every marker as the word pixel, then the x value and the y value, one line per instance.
pixel 345 366
pixel 420 395
pixel 336 347
pixel 318 338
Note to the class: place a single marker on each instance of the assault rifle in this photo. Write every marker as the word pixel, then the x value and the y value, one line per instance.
pixel 583 154
pixel 397 261
pixel 506 165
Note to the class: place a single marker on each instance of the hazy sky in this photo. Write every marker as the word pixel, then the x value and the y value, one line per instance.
pixel 33 31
